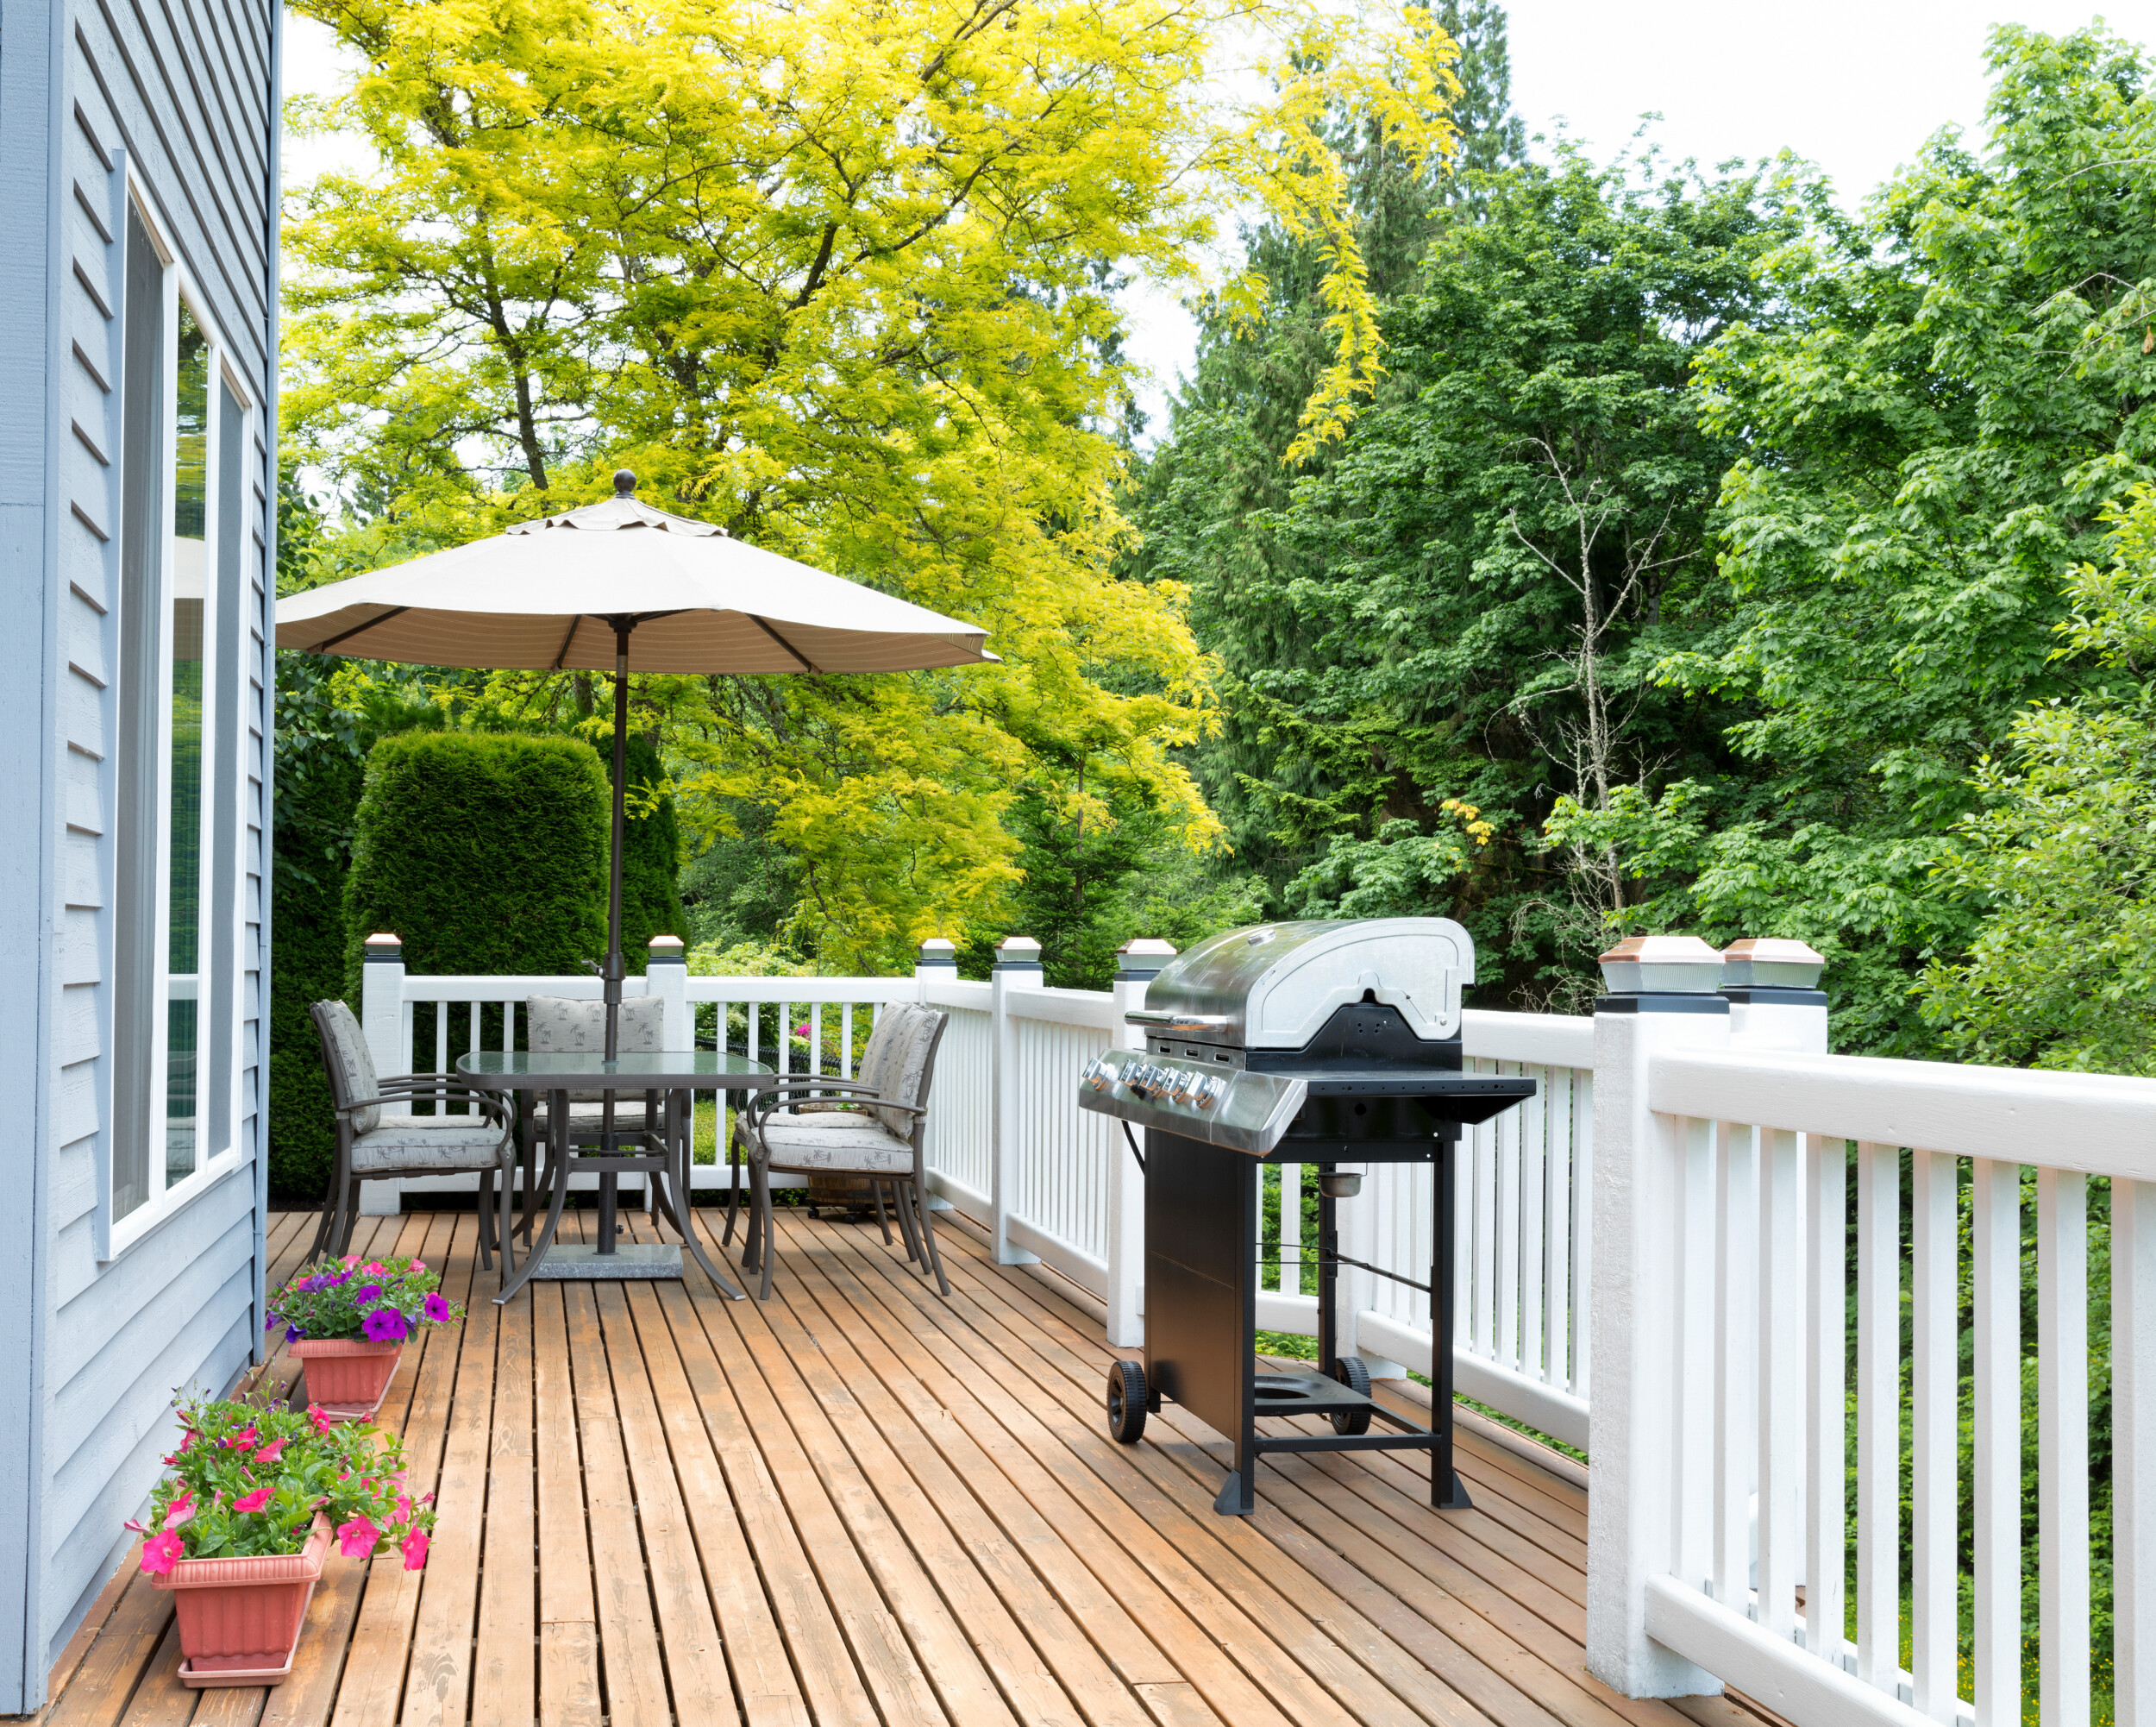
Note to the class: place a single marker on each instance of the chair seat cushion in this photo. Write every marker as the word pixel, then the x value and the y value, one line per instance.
pixel 869 1149
pixel 427 1142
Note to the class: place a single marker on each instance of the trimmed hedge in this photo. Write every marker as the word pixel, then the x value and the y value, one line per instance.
pixel 486 852
pixel 651 857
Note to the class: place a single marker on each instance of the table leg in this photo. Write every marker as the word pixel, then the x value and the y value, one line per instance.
pixel 557 1151
pixel 682 1141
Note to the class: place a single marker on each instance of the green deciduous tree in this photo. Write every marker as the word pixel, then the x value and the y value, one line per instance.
pixel 1932 435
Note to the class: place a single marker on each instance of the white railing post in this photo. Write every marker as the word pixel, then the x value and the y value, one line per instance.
pixel 382 1024
pixel 667 976
pixel 2133 1436
pixel 382 1004
pixel 1017 962
pixel 1141 961
pixel 1662 998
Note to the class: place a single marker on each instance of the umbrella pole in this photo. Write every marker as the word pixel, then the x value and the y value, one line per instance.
pixel 608 1183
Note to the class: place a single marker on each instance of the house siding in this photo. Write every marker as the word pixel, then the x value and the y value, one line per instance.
pixel 179 94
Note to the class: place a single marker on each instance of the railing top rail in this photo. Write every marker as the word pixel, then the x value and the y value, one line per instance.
pixel 820 989
pixel 1094 1008
pixel 1532 1040
pixel 2096 1123
pixel 452 987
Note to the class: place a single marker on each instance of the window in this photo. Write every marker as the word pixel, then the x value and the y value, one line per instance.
pixel 175 907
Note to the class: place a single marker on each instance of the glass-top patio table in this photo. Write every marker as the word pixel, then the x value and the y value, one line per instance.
pixel 662 1156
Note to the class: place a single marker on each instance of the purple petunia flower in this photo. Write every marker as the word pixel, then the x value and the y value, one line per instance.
pixel 437 1310
pixel 385 1325
pixel 293 1333
pixel 366 1293
pixel 271 1323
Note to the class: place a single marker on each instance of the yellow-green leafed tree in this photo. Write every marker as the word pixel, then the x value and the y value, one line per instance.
pixel 840 277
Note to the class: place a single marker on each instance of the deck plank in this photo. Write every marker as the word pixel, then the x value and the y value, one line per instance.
pixel 864 1504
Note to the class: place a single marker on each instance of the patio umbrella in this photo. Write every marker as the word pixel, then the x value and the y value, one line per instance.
pixel 620 587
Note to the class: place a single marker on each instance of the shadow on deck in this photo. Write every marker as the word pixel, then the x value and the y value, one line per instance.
pixel 862 1503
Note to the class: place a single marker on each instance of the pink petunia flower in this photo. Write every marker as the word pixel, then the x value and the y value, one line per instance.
pixel 161 1552
pixel 180 1510
pixel 245 1438
pixel 419 1264
pixel 253 1502
pixel 375 1268
pixel 404 1509
pixel 271 1451
pixel 320 1417
pixel 351 1259
pixel 358 1538
pixel 415 1549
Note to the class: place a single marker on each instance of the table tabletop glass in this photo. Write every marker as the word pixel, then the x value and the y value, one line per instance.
pixel 678 1070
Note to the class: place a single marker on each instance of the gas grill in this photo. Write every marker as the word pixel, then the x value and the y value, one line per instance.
pixel 1324 1043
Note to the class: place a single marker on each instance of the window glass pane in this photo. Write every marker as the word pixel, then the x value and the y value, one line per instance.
pixel 190 573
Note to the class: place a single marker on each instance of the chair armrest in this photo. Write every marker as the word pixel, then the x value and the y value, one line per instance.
pixel 768 1098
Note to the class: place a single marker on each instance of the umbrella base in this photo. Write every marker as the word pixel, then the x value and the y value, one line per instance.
pixel 583 1263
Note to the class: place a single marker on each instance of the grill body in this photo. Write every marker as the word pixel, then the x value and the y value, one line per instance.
pixel 1335 1043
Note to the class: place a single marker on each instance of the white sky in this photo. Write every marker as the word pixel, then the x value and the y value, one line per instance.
pixel 1856 85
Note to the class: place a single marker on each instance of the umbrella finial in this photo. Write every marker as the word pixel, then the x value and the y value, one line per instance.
pixel 624 482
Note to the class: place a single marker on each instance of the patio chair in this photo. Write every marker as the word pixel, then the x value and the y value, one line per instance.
pixel 872 1125
pixel 378 1138
pixel 571 1025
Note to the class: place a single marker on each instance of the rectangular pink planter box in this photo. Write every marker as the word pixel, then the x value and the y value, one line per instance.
pixel 348 1376
pixel 243 1615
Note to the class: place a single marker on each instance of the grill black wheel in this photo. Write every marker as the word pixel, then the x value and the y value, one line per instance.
pixel 1126 1402
pixel 1350 1372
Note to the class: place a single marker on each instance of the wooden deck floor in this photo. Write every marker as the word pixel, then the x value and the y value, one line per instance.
pixel 862 1503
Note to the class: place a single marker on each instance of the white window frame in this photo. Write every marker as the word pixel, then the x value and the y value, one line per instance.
pixel 212 1164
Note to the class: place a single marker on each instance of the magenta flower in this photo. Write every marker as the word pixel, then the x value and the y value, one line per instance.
pixel 404 1509
pixel 176 1513
pixel 252 1502
pixel 320 1417
pixel 358 1538
pixel 419 1264
pixel 271 1451
pixel 244 1439
pixel 351 1259
pixel 376 1268
pixel 161 1552
pixel 437 1310
pixel 415 1547
pixel 385 1325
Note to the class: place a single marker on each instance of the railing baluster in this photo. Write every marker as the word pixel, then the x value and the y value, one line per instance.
pixel 1736 1341
pixel 1826 1354
pixel 2134 1451
pixel 1291 1230
pixel 846 1042
pixel 815 1037
pixel 1995 1246
pixel 1583 1228
pixel 470 1109
pixel 2062 1444
pixel 1780 1370
pixel 1879 1416
pixel 1557 1225
pixel 1698 1325
pixel 1486 1298
pixel 440 1106
pixel 1935 1438
pixel 1505 1342
pixel 1533 1226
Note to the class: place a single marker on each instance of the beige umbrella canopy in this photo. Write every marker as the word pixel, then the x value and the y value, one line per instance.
pixel 551 595
pixel 619 586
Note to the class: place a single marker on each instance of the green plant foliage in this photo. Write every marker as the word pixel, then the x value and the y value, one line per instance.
pixel 484 852
pixel 1462 602
pixel 1932 435
pixel 651 852
pixel 2062 970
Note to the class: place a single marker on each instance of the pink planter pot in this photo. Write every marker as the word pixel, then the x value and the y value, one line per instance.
pixel 347 1376
pixel 244 1616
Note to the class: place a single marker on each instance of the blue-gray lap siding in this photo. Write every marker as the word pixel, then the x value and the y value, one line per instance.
pixel 91 1350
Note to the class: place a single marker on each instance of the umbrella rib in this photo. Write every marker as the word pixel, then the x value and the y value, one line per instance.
pixel 802 658
pixel 576 619
pixel 358 630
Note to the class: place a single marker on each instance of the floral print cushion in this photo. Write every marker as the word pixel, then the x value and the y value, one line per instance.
pixel 355 1062
pixel 569 1025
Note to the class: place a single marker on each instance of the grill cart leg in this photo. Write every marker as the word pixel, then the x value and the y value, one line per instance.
pixel 1445 1491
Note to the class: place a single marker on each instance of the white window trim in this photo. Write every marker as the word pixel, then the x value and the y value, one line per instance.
pixel 164 1200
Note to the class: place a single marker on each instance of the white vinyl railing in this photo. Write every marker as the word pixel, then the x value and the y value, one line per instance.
pixel 1726 1510
pixel 1707 1211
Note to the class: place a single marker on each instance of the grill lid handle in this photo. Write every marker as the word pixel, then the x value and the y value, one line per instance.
pixel 1147 1016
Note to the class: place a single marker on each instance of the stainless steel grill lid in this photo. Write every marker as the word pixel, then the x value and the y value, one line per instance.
pixel 1274 986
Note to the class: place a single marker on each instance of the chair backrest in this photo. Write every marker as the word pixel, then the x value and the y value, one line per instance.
pixel 899 1061
pixel 349 1062
pixel 571 1025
